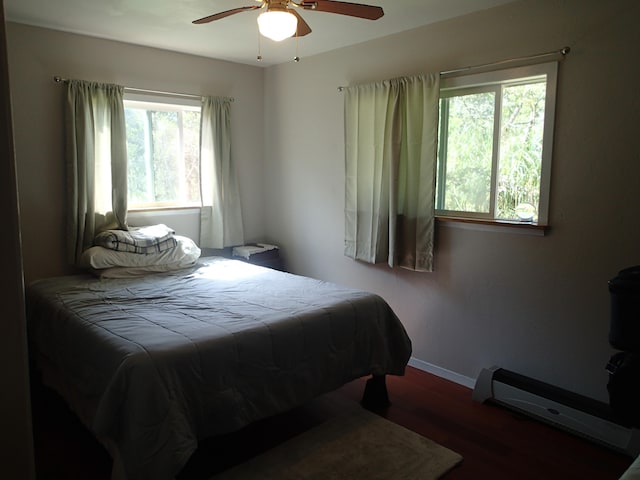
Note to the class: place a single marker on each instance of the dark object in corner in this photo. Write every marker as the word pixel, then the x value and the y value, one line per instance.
pixel 375 396
pixel 624 334
pixel 624 329
pixel 624 387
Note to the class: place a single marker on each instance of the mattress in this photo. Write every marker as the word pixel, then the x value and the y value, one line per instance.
pixel 168 359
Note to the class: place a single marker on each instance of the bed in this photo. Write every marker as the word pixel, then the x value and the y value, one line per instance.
pixel 153 363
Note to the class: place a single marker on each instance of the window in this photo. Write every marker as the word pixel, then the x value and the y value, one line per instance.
pixel 494 153
pixel 163 141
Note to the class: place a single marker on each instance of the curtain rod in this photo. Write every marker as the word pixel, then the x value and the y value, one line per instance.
pixel 59 79
pixel 563 51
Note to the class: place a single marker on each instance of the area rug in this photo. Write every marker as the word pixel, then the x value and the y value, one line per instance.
pixel 356 445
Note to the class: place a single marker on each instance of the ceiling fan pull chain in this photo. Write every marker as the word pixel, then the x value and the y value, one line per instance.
pixel 259 57
pixel 296 58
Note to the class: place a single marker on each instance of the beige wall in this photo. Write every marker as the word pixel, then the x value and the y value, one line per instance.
pixel 535 305
pixel 16 439
pixel 36 55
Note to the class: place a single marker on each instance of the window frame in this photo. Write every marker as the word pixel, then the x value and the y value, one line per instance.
pixel 496 80
pixel 160 102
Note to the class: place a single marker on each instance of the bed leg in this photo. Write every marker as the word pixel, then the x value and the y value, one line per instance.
pixel 375 393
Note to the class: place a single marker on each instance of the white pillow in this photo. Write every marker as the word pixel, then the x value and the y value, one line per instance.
pixel 185 253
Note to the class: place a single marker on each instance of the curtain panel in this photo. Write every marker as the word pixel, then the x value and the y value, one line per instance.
pixel 221 212
pixel 391 130
pixel 96 163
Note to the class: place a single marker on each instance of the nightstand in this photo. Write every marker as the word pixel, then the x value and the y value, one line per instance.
pixel 262 254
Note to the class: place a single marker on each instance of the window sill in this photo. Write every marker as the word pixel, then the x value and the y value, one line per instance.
pixel 505 226
pixel 164 208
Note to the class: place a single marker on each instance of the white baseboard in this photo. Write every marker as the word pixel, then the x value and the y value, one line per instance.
pixel 442 372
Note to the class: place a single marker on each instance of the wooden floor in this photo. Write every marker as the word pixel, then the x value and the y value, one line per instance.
pixel 495 443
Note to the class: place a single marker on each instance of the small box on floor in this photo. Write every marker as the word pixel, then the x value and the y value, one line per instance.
pixel 262 254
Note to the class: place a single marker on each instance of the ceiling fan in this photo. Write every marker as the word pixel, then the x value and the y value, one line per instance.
pixel 280 19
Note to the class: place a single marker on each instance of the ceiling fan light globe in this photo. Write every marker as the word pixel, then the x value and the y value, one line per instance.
pixel 277 25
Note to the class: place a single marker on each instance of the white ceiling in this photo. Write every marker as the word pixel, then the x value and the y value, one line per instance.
pixel 167 24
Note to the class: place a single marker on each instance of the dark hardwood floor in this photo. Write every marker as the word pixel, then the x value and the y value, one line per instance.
pixel 495 442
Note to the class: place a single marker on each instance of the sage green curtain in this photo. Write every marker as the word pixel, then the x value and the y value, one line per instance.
pixel 96 157
pixel 221 212
pixel 391 130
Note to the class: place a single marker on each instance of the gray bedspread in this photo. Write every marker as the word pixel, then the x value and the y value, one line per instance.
pixel 168 359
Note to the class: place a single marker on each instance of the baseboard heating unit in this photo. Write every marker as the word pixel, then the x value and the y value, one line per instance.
pixel 569 411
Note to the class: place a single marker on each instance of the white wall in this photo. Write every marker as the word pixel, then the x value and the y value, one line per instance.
pixel 36 55
pixel 535 305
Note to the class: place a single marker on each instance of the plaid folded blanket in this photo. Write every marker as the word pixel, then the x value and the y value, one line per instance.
pixel 151 239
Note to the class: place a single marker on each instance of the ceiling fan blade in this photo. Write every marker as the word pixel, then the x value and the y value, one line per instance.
pixel 303 27
pixel 226 13
pixel 344 8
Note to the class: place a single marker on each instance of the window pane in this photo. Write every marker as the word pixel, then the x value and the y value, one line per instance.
pixel 512 181
pixel 163 156
pixel 520 161
pixel 468 157
pixel 138 167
